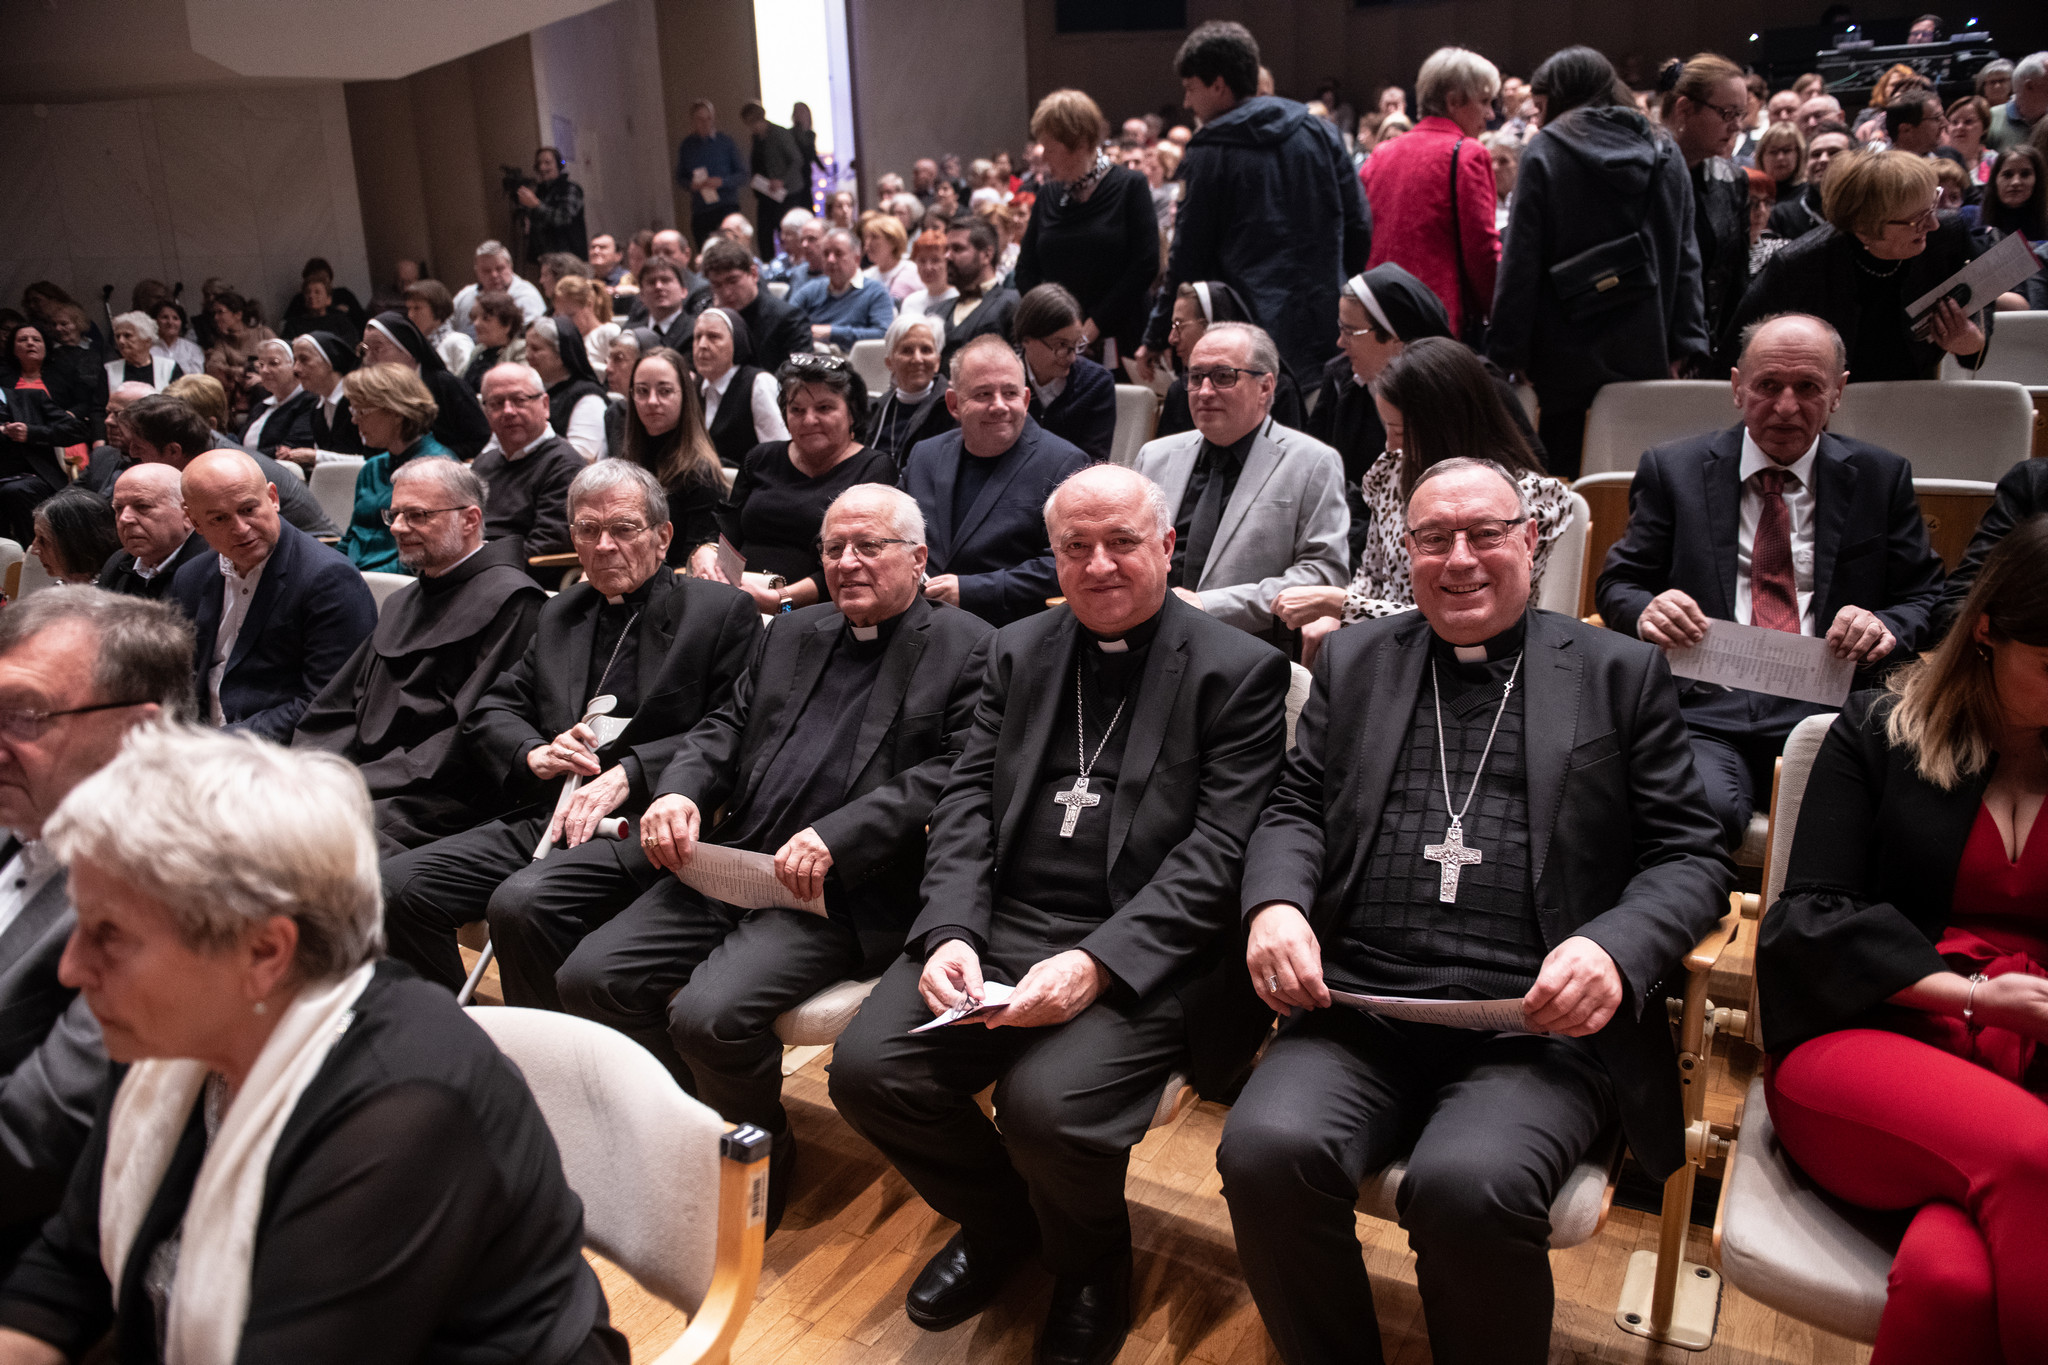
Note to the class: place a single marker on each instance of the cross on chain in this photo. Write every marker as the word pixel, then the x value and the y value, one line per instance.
pixel 1075 798
pixel 1450 856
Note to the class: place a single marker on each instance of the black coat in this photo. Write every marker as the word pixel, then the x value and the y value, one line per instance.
pixel 1721 229
pixel 999 549
pixel 2022 493
pixel 1871 880
pixel 1272 207
pixel 1870 548
pixel 529 497
pixel 118 573
pixel 1104 251
pixel 693 640
pixel 991 317
pixel 1084 414
pixel 51 427
pixel 916 721
pixel 395 708
pixel 1621 849
pixel 1593 176
pixel 311 610
pixel 1797 215
pixel 290 425
pixel 1825 273
pixel 415 1209
pixel 1206 732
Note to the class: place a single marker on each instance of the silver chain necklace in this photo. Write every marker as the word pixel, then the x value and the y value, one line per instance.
pixel 1452 855
pixel 1078 797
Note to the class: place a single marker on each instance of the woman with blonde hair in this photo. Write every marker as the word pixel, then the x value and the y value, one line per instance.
pixel 1903 974
pixel 1781 154
pixel 887 246
pixel 394 412
pixel 588 305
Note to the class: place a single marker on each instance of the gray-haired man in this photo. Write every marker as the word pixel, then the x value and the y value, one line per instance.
pixel 78 669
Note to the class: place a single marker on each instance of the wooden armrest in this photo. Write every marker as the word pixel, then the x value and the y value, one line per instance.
pixel 1594 620
pixel 1052 602
pixel 736 1274
pixel 328 540
pixel 1708 950
pixel 560 561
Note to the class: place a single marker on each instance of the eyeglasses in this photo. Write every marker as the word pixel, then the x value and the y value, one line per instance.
pixel 1353 333
pixel 514 400
pixel 1436 541
pixel 29 725
pixel 1730 114
pixel 589 531
pixel 867 548
pixel 1927 215
pixel 391 516
pixel 1179 323
pixel 1063 350
pixel 1219 377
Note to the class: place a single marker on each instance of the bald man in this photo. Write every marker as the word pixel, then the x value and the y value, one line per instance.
pixel 107 459
pixel 275 612
pixel 157 538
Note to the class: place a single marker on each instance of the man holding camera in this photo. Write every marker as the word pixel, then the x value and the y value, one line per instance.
pixel 553 208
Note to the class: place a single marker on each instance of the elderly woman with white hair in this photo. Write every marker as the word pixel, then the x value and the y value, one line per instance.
pixel 913 407
pixel 307 1154
pixel 135 335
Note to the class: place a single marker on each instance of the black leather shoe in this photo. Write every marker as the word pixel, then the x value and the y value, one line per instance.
pixel 959 1282
pixel 781 1163
pixel 1090 1316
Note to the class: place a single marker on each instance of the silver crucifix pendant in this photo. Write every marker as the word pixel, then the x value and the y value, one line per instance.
pixel 1075 798
pixel 1450 856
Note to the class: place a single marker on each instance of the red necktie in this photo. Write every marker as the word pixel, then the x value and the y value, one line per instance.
pixel 1773 593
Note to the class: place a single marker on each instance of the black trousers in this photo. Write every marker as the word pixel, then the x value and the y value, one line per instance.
pixel 1736 771
pixel 1072 1100
pixel 538 911
pixel 768 221
pixel 1496 1122
pixel 705 218
pixel 699 984
pixel 1563 429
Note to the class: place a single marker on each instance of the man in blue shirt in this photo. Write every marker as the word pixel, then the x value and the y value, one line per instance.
pixel 842 307
pixel 708 166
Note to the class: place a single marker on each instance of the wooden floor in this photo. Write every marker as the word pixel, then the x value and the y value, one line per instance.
pixel 855 1236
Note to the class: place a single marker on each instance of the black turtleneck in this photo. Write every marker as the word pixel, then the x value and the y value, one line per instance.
pixel 808 777
pixel 1212 462
pixel 618 675
pixel 1398 937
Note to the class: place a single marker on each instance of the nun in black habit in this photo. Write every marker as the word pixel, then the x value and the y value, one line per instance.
pixel 396 707
pixel 461 425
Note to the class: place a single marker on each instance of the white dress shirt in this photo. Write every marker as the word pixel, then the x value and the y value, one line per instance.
pixel 23 879
pixel 768 425
pixel 1799 504
pixel 238 593
pixel 271 403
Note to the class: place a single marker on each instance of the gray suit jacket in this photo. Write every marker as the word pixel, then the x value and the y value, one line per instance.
pixel 52 1066
pixel 1285 526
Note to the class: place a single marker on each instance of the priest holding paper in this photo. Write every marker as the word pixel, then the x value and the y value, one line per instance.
pixel 827 761
pixel 1779 524
pixel 1484 802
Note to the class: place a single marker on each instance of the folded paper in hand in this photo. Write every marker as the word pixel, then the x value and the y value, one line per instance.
pixel 1979 283
pixel 731 562
pixel 742 879
pixel 994 995
pixel 1496 1016
pixel 1776 662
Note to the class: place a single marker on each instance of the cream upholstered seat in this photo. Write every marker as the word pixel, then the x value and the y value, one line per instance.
pixel 1627 419
pixel 866 359
pixel 2018 352
pixel 1576 1215
pixel 1137 414
pixel 668 1194
pixel 384 585
pixel 822 1018
pixel 1566 567
pixel 1977 430
pixel 333 481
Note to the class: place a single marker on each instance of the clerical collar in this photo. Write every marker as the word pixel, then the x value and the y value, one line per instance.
pixel 1136 638
pixel 637 597
pixel 881 630
pixel 917 397
pixel 1503 646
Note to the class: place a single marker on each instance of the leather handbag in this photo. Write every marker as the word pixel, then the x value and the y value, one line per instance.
pixel 1617 272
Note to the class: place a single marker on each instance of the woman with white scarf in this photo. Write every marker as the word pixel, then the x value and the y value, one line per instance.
pixel 310 1155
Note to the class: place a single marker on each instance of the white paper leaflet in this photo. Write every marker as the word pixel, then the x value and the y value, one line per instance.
pixel 1774 661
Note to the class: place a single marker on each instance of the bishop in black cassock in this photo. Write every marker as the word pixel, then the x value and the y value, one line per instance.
pixel 1085 851
pixel 396 707
pixel 1484 802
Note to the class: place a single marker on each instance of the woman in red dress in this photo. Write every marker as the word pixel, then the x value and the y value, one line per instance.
pixel 1904 973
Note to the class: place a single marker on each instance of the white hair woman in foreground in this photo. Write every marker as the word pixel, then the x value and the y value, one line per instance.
pixel 303 1153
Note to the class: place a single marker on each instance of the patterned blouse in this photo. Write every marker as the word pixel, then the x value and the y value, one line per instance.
pixel 1381 586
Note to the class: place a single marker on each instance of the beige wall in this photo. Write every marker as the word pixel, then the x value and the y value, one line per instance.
pixel 602 72
pixel 707 52
pixel 929 77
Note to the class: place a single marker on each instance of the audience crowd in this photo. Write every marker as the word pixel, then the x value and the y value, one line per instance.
pixel 820 536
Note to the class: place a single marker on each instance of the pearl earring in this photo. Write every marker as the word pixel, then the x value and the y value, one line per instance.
pixel 262 1008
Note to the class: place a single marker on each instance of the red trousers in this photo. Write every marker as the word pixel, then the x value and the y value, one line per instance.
pixel 1888 1122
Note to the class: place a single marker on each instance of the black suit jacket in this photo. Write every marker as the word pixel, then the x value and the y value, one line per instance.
pixel 50 427
pixel 290 424
pixel 1869 886
pixel 694 637
pixel 339 435
pixel 991 316
pixel 916 721
pixel 1621 849
pixel 999 549
pixel 1207 728
pixel 1084 414
pixel 2022 493
pixel 311 610
pixel 118 573
pixel 1870 547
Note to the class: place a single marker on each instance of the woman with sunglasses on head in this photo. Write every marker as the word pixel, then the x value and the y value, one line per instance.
pixel 1886 245
pixel 778 501
pixel 1436 401
pixel 1071 396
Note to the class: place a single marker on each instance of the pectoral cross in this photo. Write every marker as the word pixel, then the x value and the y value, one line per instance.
pixel 1451 855
pixel 1076 797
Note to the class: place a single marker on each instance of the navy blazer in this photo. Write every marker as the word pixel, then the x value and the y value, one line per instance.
pixel 311 610
pixel 1870 545
pixel 1084 414
pixel 1000 549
